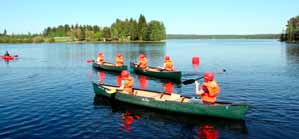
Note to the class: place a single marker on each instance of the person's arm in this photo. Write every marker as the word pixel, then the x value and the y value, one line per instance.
pixel 164 65
pixel 123 82
pixel 197 90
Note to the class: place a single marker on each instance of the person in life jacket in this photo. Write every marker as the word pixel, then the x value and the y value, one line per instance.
pixel 100 58
pixel 209 89
pixel 6 54
pixel 119 60
pixel 142 63
pixel 127 82
pixel 168 65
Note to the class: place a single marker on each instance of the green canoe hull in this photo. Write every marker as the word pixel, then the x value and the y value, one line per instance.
pixel 174 76
pixel 109 67
pixel 223 110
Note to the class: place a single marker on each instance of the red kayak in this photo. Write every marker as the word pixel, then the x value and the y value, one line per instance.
pixel 8 57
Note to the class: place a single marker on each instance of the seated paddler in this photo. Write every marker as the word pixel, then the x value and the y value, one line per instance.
pixel 126 82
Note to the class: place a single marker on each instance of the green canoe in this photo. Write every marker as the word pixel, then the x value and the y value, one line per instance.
pixel 157 72
pixel 173 103
pixel 109 67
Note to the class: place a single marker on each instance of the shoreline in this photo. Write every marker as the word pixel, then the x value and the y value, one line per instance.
pixel 90 42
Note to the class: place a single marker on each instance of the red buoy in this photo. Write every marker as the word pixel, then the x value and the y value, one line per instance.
pixel 195 60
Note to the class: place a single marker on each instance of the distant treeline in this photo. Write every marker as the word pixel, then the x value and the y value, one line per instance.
pixel 254 36
pixel 120 31
pixel 291 34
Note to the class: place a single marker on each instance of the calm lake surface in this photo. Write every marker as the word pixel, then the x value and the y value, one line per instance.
pixel 47 92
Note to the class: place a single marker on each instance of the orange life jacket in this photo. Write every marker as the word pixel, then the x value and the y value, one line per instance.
pixel 119 61
pixel 211 89
pixel 100 59
pixel 128 84
pixel 143 63
pixel 168 65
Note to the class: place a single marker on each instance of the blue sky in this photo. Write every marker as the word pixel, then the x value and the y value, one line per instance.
pixel 179 17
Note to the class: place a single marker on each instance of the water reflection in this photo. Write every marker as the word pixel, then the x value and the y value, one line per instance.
pixel 142 81
pixel 195 67
pixel 292 51
pixel 118 80
pixel 200 127
pixel 168 87
pixel 207 132
pixel 127 119
pixel 101 76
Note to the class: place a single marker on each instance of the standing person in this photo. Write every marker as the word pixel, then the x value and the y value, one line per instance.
pixel 119 61
pixel 168 65
pixel 142 63
pixel 100 58
pixel 127 82
pixel 209 89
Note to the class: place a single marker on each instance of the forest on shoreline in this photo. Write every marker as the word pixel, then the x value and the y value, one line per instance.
pixel 291 34
pixel 128 30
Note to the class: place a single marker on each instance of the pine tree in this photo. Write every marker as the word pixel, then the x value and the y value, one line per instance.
pixel 142 28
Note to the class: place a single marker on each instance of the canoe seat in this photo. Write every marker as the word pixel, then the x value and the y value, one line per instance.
pixel 135 92
pixel 172 97
pixel 145 94
pixel 184 100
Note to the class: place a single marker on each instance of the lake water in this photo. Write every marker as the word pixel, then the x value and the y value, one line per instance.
pixel 47 91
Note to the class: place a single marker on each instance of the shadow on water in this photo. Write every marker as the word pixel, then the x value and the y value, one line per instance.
pixel 204 126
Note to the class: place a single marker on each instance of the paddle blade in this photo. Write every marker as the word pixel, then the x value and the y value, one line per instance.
pixel 89 61
pixel 190 81
pixel 111 91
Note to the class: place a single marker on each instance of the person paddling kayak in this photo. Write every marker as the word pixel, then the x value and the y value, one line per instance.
pixel 209 89
pixel 6 54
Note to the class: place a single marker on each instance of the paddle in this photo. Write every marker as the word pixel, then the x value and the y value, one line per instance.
pixel 89 61
pixel 193 80
pixel 111 91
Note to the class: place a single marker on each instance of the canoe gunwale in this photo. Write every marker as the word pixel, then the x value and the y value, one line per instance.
pixel 158 73
pixel 109 67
